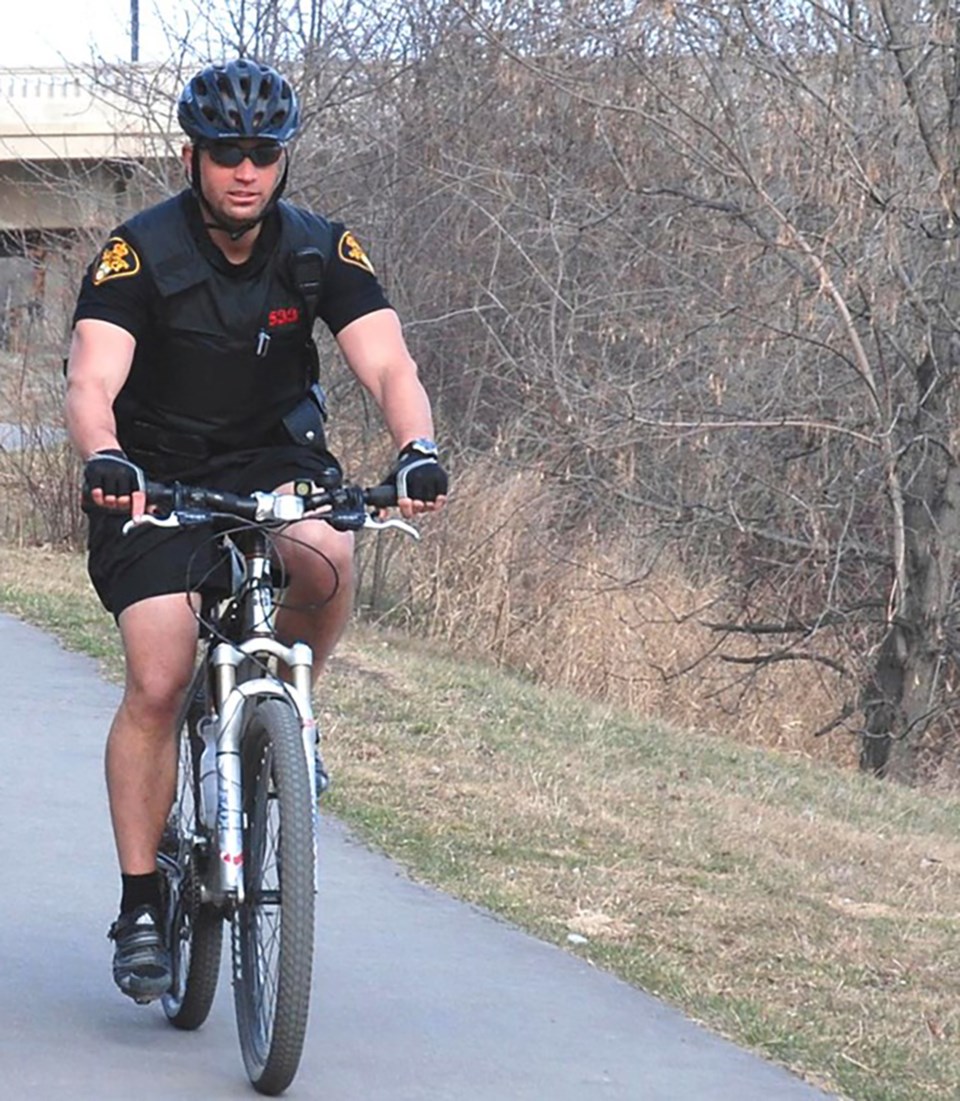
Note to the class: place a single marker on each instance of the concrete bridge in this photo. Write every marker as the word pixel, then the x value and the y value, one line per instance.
pixel 80 150
pixel 72 140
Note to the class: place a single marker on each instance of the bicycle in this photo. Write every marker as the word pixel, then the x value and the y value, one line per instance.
pixel 240 844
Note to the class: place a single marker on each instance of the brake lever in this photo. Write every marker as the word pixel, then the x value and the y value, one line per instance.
pixel 391 522
pixel 183 518
pixel 171 521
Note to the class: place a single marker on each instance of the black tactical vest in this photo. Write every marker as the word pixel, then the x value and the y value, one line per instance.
pixel 226 358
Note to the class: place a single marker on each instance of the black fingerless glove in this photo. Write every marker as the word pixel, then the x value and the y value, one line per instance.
pixel 111 471
pixel 417 473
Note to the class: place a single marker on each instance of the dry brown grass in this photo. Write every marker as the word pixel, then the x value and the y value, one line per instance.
pixel 39 502
pixel 600 620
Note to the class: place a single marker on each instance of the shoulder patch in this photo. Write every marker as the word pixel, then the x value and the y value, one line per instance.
pixel 117 260
pixel 351 251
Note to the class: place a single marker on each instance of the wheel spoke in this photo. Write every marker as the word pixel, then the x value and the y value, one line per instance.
pixel 273 930
pixel 194 931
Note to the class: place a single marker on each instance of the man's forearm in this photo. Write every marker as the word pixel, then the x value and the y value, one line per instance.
pixel 90 421
pixel 100 358
pixel 406 410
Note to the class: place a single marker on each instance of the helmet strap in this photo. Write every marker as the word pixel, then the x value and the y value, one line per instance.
pixel 234 232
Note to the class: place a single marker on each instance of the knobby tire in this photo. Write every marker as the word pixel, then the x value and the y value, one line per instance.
pixel 274 927
pixel 195 930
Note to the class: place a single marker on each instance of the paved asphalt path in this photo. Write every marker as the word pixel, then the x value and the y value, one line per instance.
pixel 417 997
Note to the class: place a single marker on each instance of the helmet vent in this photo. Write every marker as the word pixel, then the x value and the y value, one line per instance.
pixel 240 99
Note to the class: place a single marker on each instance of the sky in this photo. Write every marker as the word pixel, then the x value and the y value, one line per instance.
pixel 52 32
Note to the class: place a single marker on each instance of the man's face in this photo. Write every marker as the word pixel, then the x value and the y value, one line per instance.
pixel 238 192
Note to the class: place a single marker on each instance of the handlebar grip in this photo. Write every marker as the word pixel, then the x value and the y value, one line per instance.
pixel 384 496
pixel 156 494
pixel 159 494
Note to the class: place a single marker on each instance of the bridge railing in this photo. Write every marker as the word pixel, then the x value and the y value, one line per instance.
pixel 17 85
pixel 87 114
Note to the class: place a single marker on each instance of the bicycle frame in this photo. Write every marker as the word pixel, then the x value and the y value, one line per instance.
pixel 235 692
pixel 225 667
pixel 247 722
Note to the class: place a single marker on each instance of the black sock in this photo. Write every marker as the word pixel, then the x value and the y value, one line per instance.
pixel 140 890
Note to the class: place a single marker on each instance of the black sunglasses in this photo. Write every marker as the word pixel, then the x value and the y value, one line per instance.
pixel 228 154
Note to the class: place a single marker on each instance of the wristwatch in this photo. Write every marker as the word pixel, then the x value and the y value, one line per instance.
pixel 423 446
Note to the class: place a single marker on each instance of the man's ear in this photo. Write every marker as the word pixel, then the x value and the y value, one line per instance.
pixel 186 156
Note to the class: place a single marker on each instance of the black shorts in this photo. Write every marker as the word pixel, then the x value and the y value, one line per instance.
pixel 152 561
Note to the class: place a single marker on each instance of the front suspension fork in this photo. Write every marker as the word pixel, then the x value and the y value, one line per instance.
pixel 234 697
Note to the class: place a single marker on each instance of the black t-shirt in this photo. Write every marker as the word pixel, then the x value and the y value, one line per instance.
pixel 222 352
pixel 118 287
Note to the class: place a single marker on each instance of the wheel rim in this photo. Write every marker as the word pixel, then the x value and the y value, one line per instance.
pixel 273 928
pixel 260 916
pixel 178 865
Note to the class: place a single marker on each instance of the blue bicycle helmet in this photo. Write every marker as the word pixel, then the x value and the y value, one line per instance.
pixel 238 99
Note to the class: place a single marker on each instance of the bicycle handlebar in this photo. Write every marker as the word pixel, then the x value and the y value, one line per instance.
pixel 345 508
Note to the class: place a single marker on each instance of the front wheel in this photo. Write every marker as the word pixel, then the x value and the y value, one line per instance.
pixel 273 928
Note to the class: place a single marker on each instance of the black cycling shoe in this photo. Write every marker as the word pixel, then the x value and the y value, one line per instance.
pixel 322 776
pixel 141 962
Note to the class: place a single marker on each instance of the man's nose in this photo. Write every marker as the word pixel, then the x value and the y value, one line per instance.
pixel 246 170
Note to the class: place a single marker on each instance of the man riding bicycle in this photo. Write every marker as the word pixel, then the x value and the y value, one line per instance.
pixel 192 359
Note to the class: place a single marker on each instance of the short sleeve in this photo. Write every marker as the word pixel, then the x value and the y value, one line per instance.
pixel 116 287
pixel 351 288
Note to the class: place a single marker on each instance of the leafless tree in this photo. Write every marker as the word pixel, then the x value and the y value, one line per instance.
pixel 694 263
pixel 699 261
pixel 786 177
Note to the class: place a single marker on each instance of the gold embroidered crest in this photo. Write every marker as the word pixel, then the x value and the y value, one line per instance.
pixel 352 252
pixel 117 260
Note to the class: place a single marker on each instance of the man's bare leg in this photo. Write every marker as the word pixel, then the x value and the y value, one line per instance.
pixel 319 599
pixel 159 637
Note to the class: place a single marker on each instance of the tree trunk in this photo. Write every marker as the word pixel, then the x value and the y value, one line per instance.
pixel 903 699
